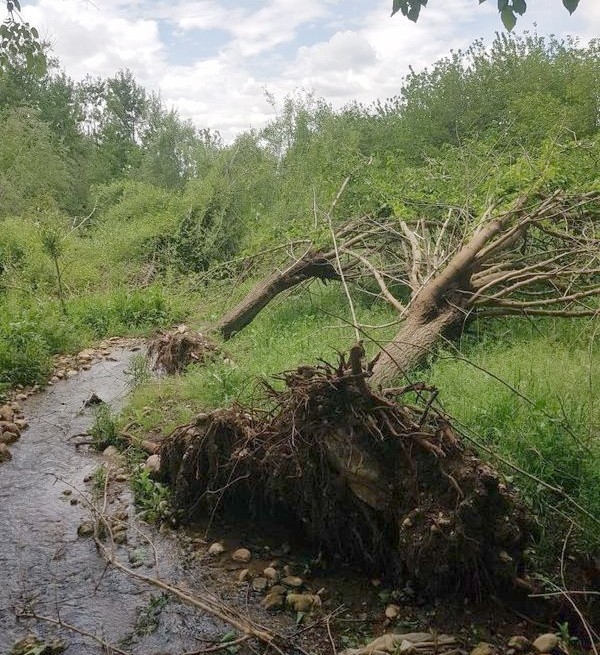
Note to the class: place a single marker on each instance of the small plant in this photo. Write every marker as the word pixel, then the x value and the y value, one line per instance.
pixel 152 497
pixel 149 616
pixel 138 372
pixel 99 479
pixel 105 432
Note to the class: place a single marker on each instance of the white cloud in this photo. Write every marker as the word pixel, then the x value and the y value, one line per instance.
pixel 361 54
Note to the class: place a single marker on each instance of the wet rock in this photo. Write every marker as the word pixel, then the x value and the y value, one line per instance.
pixel 483 648
pixel 519 643
pixel 216 549
pixel 260 584
pixel 292 581
pixel 85 529
pixel 6 413
pixel 303 602
pixel 273 601
pixel 242 555
pixel 5 453
pixel 9 426
pixel 271 573
pixel 392 612
pixel 546 643
pixel 8 438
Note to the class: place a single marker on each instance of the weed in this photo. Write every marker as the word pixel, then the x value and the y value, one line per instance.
pixel 138 372
pixel 153 498
pixel 105 431
pixel 149 616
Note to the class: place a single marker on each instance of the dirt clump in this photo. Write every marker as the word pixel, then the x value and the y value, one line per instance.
pixel 367 477
pixel 171 352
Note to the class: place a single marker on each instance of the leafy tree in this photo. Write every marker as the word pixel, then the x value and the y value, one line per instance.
pixel 509 9
pixel 19 40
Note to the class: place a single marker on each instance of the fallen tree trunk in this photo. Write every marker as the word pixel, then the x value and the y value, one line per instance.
pixel 311 265
pixel 363 476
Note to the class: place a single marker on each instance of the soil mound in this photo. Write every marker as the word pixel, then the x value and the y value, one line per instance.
pixel 366 477
pixel 171 352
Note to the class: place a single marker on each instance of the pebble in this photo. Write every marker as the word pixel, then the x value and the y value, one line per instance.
pixel 5 453
pixel 122 477
pixel 273 601
pixel 216 549
pixel 292 581
pixel 110 451
pixel 519 643
pixel 483 648
pixel 303 602
pixel 392 612
pixel 242 555
pixel 120 537
pixel 243 575
pixel 8 437
pixel 271 573
pixel 6 413
pixel 546 643
pixel 9 426
pixel 152 464
pixel 21 396
pixel 85 529
pixel 260 584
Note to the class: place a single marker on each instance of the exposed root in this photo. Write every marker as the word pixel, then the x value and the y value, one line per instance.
pixel 171 352
pixel 363 476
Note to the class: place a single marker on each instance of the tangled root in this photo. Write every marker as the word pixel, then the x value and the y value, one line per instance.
pixel 172 352
pixel 363 476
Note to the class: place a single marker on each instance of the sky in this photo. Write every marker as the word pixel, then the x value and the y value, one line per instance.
pixel 218 61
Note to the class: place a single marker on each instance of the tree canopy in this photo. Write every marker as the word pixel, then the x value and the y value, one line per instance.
pixel 509 9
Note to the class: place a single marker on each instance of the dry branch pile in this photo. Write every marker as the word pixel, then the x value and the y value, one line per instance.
pixel 171 352
pixel 363 476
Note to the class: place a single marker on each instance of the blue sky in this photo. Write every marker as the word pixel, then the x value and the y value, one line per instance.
pixel 213 59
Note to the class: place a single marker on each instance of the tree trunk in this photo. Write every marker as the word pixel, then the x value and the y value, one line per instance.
pixel 414 342
pixel 312 265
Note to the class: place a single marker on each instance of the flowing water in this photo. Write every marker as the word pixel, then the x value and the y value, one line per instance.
pixel 44 565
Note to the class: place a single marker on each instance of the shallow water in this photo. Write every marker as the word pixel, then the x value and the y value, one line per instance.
pixel 45 565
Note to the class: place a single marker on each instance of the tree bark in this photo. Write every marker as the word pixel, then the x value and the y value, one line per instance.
pixel 312 265
pixel 415 340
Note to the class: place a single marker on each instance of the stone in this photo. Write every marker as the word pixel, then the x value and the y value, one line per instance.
pixel 260 584
pixel 71 373
pixel 21 396
pixel 406 647
pixel 85 529
pixel 483 648
pixel 8 438
pixel 546 643
pixel 6 413
pixel 242 555
pixel 392 612
pixel 303 602
pixel 216 549
pixel 9 426
pixel 152 465
pixel 21 423
pixel 519 643
pixel 110 451
pixel 243 575
pixel 292 581
pixel 5 453
pixel 120 537
pixel 273 601
pixel 122 477
pixel 271 573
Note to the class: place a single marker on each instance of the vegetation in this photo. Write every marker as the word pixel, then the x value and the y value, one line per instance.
pixel 118 218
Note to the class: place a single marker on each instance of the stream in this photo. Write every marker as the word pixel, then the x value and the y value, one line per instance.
pixel 47 568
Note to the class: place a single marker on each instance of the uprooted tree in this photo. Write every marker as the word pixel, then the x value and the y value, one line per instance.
pixel 536 257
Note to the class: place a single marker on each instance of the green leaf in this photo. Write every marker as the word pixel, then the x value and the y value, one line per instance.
pixel 413 12
pixel 17 5
pixel 520 6
pixel 508 18
pixel 502 5
pixel 571 5
pixel 397 5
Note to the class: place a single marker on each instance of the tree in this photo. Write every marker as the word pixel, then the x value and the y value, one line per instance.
pixel 18 39
pixel 509 9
